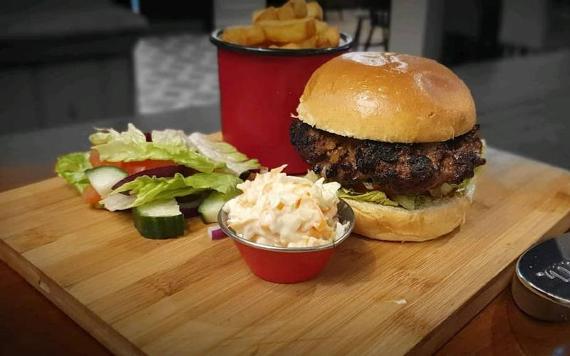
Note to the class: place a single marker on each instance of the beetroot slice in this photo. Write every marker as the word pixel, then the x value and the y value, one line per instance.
pixel 189 212
pixel 160 172
pixel 195 198
pixel 189 204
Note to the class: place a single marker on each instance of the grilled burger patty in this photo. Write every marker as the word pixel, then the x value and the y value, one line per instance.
pixel 394 168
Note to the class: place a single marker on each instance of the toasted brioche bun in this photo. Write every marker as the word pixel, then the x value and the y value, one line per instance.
pixel 397 224
pixel 387 97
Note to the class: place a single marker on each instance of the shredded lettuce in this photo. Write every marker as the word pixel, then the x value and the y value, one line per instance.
pixel 408 202
pixel 72 167
pixel 148 189
pixel 373 196
pixel 411 202
pixel 103 136
pixel 169 139
pixel 131 145
pixel 461 187
pixel 220 151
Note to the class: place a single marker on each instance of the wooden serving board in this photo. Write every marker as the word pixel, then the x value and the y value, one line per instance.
pixel 194 296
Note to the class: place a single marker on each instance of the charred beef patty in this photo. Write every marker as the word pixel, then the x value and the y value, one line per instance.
pixel 394 168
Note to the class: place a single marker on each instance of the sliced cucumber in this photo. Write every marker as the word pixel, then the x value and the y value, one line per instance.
pixel 159 220
pixel 103 178
pixel 211 206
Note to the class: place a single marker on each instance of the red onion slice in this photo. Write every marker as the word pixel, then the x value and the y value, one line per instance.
pixel 189 204
pixel 215 233
pixel 189 212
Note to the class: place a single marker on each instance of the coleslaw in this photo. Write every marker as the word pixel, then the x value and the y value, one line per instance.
pixel 286 211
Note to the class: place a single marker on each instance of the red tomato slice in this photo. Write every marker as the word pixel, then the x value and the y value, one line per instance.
pixel 96 160
pixel 91 196
pixel 129 167
pixel 136 167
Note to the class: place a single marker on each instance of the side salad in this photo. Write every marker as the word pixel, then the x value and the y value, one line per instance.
pixel 163 176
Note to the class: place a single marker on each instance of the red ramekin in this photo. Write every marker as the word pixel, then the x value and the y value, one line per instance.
pixel 260 90
pixel 283 264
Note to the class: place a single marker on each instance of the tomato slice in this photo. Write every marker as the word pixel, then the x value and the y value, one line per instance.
pixel 91 196
pixel 95 160
pixel 129 167
pixel 136 167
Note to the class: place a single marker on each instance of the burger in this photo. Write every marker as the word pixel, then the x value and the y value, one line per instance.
pixel 399 133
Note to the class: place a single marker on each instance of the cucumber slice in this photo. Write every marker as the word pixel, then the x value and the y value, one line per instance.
pixel 211 206
pixel 103 178
pixel 159 220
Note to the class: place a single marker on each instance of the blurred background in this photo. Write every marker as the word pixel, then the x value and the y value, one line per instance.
pixel 68 65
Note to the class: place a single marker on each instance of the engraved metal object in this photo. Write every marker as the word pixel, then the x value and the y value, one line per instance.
pixel 541 284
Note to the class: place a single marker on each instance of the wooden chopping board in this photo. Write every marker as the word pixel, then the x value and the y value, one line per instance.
pixel 193 296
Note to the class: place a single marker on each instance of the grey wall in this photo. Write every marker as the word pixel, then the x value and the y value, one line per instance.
pixel 231 12
pixel 524 23
pixel 417 27
pixel 56 93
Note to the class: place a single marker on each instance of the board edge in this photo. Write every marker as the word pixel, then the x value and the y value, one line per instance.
pixel 442 333
pixel 80 314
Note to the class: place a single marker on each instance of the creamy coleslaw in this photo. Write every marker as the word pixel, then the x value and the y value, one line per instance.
pixel 286 211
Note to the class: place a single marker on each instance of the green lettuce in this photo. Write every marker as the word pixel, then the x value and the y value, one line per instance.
pixel 103 136
pixel 373 196
pixel 411 201
pixel 462 187
pixel 170 139
pixel 72 167
pixel 131 145
pixel 219 151
pixel 448 188
pixel 148 189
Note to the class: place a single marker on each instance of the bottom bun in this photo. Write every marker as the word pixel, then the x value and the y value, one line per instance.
pixel 398 224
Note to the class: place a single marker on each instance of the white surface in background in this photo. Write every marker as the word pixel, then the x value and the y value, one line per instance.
pixel 231 12
pixel 416 27
pixel 175 72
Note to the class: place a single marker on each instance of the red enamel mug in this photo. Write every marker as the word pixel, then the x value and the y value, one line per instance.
pixel 260 90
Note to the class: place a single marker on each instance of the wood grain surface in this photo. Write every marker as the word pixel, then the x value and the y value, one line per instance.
pixel 32 325
pixel 192 294
pixel 503 329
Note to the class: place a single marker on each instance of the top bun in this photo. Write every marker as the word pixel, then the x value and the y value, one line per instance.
pixel 387 97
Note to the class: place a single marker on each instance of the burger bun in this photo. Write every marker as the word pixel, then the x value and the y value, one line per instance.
pixel 387 97
pixel 389 223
